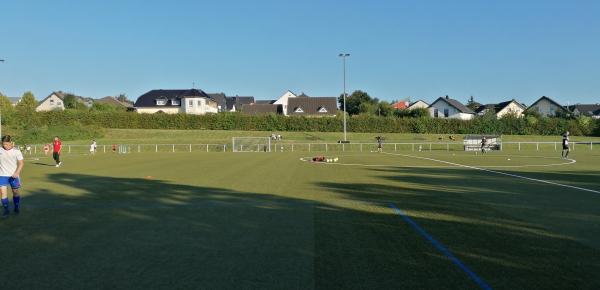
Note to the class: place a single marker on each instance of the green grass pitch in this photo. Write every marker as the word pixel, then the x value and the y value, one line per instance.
pixel 271 221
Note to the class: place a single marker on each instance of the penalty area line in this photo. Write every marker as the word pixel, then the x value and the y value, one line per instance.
pixel 499 172
pixel 440 247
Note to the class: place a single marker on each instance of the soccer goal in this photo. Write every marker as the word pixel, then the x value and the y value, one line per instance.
pixel 251 144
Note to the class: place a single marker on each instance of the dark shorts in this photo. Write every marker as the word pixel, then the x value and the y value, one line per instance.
pixel 8 180
pixel 566 147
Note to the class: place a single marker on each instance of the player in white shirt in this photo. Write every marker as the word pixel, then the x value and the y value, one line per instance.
pixel 11 164
pixel 93 147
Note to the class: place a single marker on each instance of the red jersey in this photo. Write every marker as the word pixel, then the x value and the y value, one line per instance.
pixel 56 145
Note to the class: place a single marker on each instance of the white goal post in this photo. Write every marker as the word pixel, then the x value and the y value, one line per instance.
pixel 251 144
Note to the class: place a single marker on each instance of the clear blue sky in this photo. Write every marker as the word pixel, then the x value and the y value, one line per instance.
pixel 493 50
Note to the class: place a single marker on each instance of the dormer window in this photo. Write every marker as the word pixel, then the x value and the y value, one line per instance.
pixel 161 102
pixel 175 102
pixel 322 110
pixel 298 110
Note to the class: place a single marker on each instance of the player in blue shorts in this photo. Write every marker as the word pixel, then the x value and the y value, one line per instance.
pixel 11 164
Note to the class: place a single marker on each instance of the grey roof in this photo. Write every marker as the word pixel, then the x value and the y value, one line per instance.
pixel 586 109
pixel 14 100
pixel 149 99
pixel 265 101
pixel 221 100
pixel 497 107
pixel 311 106
pixel 456 104
pixel 261 109
pixel 238 102
pixel 550 100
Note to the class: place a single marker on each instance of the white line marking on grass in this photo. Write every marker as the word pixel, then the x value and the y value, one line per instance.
pixel 571 161
pixel 498 172
pixel 440 247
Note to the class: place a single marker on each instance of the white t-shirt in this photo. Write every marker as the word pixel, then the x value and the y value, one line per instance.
pixel 93 147
pixel 9 160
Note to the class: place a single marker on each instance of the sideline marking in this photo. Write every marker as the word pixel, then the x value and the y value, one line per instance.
pixel 441 248
pixel 499 172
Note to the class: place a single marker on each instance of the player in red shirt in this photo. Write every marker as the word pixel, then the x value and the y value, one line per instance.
pixel 56 146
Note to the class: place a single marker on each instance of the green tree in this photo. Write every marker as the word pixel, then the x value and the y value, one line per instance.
pixel 72 102
pixel 6 109
pixel 123 98
pixel 354 102
pixel 28 102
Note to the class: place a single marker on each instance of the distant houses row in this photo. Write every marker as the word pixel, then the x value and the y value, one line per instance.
pixel 196 101
pixel 445 107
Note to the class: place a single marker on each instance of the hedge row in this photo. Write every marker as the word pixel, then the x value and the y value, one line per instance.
pixel 235 121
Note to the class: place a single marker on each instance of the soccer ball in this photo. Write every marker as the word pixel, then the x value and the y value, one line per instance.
pixel 328 160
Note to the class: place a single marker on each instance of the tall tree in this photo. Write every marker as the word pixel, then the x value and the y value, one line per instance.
pixel 355 100
pixel 27 103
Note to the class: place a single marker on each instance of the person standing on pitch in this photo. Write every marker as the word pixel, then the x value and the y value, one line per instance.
pixel 56 147
pixel 93 147
pixel 11 164
pixel 565 146
pixel 483 142
pixel 379 143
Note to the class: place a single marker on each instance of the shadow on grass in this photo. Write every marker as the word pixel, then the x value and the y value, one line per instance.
pixel 514 233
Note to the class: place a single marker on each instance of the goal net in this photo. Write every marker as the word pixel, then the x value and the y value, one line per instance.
pixel 251 144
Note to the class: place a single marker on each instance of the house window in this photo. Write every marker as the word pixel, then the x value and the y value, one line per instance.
pixel 446 113
pixel 435 113
pixel 322 110
pixel 51 102
pixel 298 110
pixel 191 102
pixel 59 103
pixel 175 102
pixel 161 102
pixel 199 103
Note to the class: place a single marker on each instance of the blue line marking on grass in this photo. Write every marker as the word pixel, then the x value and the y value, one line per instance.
pixel 442 249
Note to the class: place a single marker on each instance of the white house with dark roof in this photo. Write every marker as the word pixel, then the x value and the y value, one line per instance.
pixel 284 99
pixel 500 110
pixel 546 106
pixel 451 109
pixel 312 106
pixel 192 101
pixel 54 101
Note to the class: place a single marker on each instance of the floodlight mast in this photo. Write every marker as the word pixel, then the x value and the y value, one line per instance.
pixel 1 60
pixel 343 56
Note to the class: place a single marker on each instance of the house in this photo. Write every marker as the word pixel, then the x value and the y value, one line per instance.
pixel 511 107
pixel 401 105
pixel 235 104
pixel 312 106
pixel 262 109
pixel 192 101
pixel 418 105
pixel 450 108
pixel 54 101
pixel 589 110
pixel 284 99
pixel 546 107
pixel 221 100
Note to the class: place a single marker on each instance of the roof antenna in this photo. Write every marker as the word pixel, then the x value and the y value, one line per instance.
pixel 193 85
